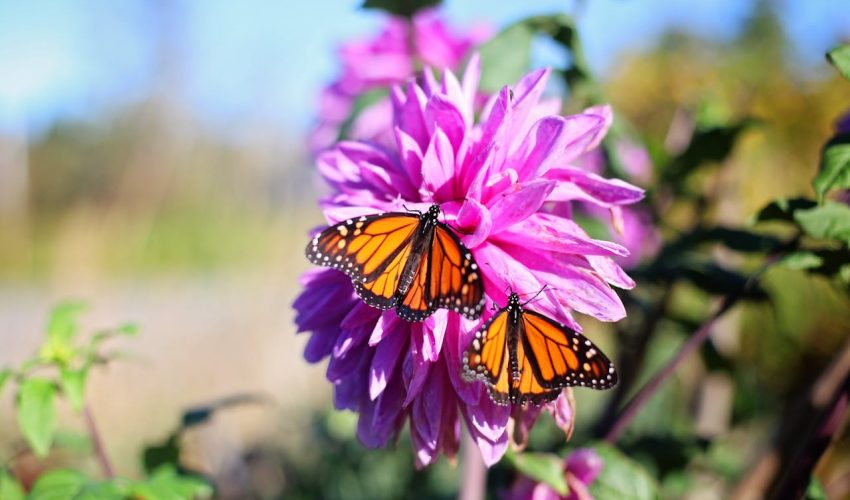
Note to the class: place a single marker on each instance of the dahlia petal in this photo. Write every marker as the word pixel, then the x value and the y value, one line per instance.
pixel 386 358
pixel 474 222
pixel 438 164
pixel 585 464
pixel 524 418
pixel 320 344
pixel 611 272
pixel 357 359
pixel 442 113
pixel 380 420
pixel 471 77
pixel 527 94
pixel 433 332
pixel 488 418
pixel 555 141
pixel 573 287
pixel 411 155
pixel 385 327
pixel 605 112
pixel 563 411
pixel 317 309
pixel 426 414
pixel 334 214
pixel 359 315
pixel 585 186
pixel 518 203
pixel 350 338
pixel 348 392
pixel 410 115
pixel 491 450
pixel 457 339
pixel 415 371
pixel 557 234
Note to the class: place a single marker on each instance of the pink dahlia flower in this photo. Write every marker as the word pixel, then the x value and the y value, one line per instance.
pixel 581 468
pixel 630 226
pixel 402 48
pixel 499 182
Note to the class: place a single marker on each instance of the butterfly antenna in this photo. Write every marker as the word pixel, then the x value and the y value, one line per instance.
pixel 417 212
pixel 535 295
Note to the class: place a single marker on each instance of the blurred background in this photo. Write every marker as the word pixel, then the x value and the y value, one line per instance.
pixel 153 165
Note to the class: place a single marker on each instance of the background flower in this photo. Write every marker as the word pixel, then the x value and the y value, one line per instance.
pixel 581 467
pixel 377 63
pixel 492 179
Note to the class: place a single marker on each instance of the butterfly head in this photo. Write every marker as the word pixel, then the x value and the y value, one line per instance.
pixel 433 212
pixel 513 301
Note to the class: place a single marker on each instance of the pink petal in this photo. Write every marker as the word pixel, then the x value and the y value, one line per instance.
pixel 473 223
pixel 385 327
pixel 555 141
pixel 557 234
pixel 527 94
pixel 580 185
pixel 611 271
pixel 563 410
pixel 433 331
pixel 605 112
pixel 410 154
pixel 438 164
pixel 518 203
pixel 442 113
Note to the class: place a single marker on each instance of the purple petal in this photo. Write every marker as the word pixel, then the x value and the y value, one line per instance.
pixel 426 414
pixel 388 324
pixel 355 361
pixel 555 141
pixel 360 315
pixel 585 464
pixel 411 156
pixel 410 115
pixel 349 339
pixel 387 357
pixel 527 94
pixel 381 420
pixel 433 332
pixel 456 341
pixel 320 344
pixel 579 185
pixel 415 371
pixel 605 112
pixel 518 203
pixel 524 418
pixel 488 418
pixel 611 272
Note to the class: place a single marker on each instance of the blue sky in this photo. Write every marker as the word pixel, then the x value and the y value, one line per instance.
pixel 234 60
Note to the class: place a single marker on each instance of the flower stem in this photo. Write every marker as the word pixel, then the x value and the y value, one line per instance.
pixel 97 442
pixel 474 476
pixel 699 336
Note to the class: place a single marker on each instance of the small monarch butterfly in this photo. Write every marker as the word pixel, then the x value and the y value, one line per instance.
pixel 410 261
pixel 525 357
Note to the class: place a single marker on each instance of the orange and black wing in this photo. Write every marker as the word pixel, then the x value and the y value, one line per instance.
pixel 454 280
pixel 525 386
pixel 363 248
pixel 559 357
pixel 487 357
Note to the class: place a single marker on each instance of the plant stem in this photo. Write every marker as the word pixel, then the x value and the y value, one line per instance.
pixel 97 442
pixel 699 336
pixel 474 476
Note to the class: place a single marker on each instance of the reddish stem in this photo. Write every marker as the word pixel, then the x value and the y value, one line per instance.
pixel 97 442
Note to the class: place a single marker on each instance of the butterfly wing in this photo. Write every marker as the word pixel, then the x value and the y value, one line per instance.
pixel 487 358
pixel 366 247
pixel 455 281
pixel 552 356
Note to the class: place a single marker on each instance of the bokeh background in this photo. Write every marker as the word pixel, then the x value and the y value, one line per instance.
pixel 153 165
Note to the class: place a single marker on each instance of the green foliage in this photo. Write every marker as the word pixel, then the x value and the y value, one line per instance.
pixel 404 8
pixel 9 488
pixel 165 483
pixel 840 58
pixel 782 209
pixel 74 386
pixel 37 413
pixel 541 467
pixel 830 221
pixel 506 57
pixel 708 145
pixel 835 166
pixel 622 478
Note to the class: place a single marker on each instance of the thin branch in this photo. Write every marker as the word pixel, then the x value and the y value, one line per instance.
pixel 640 399
pixel 97 442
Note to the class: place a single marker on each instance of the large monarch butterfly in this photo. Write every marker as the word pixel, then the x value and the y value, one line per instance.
pixel 410 261
pixel 525 357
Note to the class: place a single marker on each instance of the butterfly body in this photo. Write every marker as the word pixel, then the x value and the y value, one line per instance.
pixel 525 357
pixel 408 261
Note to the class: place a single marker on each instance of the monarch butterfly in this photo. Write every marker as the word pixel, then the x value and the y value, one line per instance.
pixel 410 261
pixel 525 357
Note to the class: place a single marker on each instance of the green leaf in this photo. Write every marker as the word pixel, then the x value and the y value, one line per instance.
pixel 708 145
pixel 5 375
pixel 783 209
pixel 59 484
pixel 830 221
pixel 128 329
pixel 834 166
pixel 815 490
pixel 802 260
pixel 541 467
pixel 840 58
pixel 621 477
pixel 166 483
pixel 167 453
pixel 37 413
pixel 506 57
pixel 63 322
pixel 74 386
pixel 404 8
pixel 9 487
